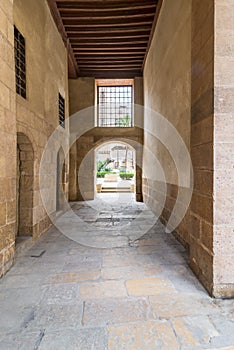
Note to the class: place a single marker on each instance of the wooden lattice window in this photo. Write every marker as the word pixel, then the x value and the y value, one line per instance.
pixel 61 111
pixel 20 66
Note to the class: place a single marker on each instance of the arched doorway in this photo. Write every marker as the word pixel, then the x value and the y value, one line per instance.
pixel 25 185
pixel 115 167
pixel 82 159
pixel 60 180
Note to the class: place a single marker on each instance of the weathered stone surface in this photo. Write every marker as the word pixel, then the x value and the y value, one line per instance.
pixel 181 304
pixel 116 310
pixel 138 336
pixel 128 272
pixel 194 332
pixel 54 317
pixel 49 307
pixel 101 289
pixel 85 339
pixel 149 286
pixel 72 277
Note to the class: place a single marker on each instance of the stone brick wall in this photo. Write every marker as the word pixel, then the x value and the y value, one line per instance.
pixel 201 247
pixel 26 124
pixel 208 226
pixel 167 90
pixel 7 138
pixel 37 115
pixel 223 241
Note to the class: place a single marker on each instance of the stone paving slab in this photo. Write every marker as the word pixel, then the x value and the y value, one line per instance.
pixel 140 296
pixel 116 310
pixel 149 286
pixel 73 277
pixel 117 261
pixel 80 339
pixel 181 304
pixel 143 336
pixel 102 289
pixel 59 294
pixel 55 317
pixel 194 332
pixel 129 272
pixel 21 341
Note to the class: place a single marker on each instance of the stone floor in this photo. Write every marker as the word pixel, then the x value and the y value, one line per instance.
pixel 138 296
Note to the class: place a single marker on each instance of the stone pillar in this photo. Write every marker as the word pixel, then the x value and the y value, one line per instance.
pixel 7 138
pixel 223 240
pixel 85 167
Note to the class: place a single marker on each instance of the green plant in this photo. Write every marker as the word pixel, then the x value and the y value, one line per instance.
pixel 101 174
pixel 102 166
pixel 126 176
pixel 124 121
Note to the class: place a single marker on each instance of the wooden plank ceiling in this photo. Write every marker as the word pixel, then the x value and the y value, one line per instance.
pixel 106 38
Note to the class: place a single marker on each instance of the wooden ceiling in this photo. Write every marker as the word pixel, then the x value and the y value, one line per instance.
pixel 106 38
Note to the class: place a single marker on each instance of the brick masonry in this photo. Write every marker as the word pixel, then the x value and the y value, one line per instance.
pixel 8 138
pixel 202 106
pixel 223 241
pixel 28 122
pixel 167 90
pixel 207 229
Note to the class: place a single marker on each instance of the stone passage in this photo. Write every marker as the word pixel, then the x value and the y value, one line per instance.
pixel 62 295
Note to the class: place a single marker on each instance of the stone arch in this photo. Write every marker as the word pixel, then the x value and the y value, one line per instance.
pixel 87 143
pixel 25 185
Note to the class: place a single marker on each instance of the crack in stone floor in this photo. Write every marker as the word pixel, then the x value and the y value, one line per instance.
pixel 136 297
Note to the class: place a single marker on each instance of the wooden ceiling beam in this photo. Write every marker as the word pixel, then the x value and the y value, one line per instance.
pixel 109 56
pixel 109 62
pixel 108 37
pixel 111 74
pixel 107 42
pixel 106 31
pixel 106 14
pixel 65 9
pixel 103 4
pixel 113 53
pixel 109 66
pixel 108 47
pixel 107 69
pixel 110 22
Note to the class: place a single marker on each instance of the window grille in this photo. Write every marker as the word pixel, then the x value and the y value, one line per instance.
pixel 115 106
pixel 61 102
pixel 20 66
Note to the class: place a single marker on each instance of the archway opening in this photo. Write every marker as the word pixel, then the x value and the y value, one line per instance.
pixel 115 168
pixel 25 185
